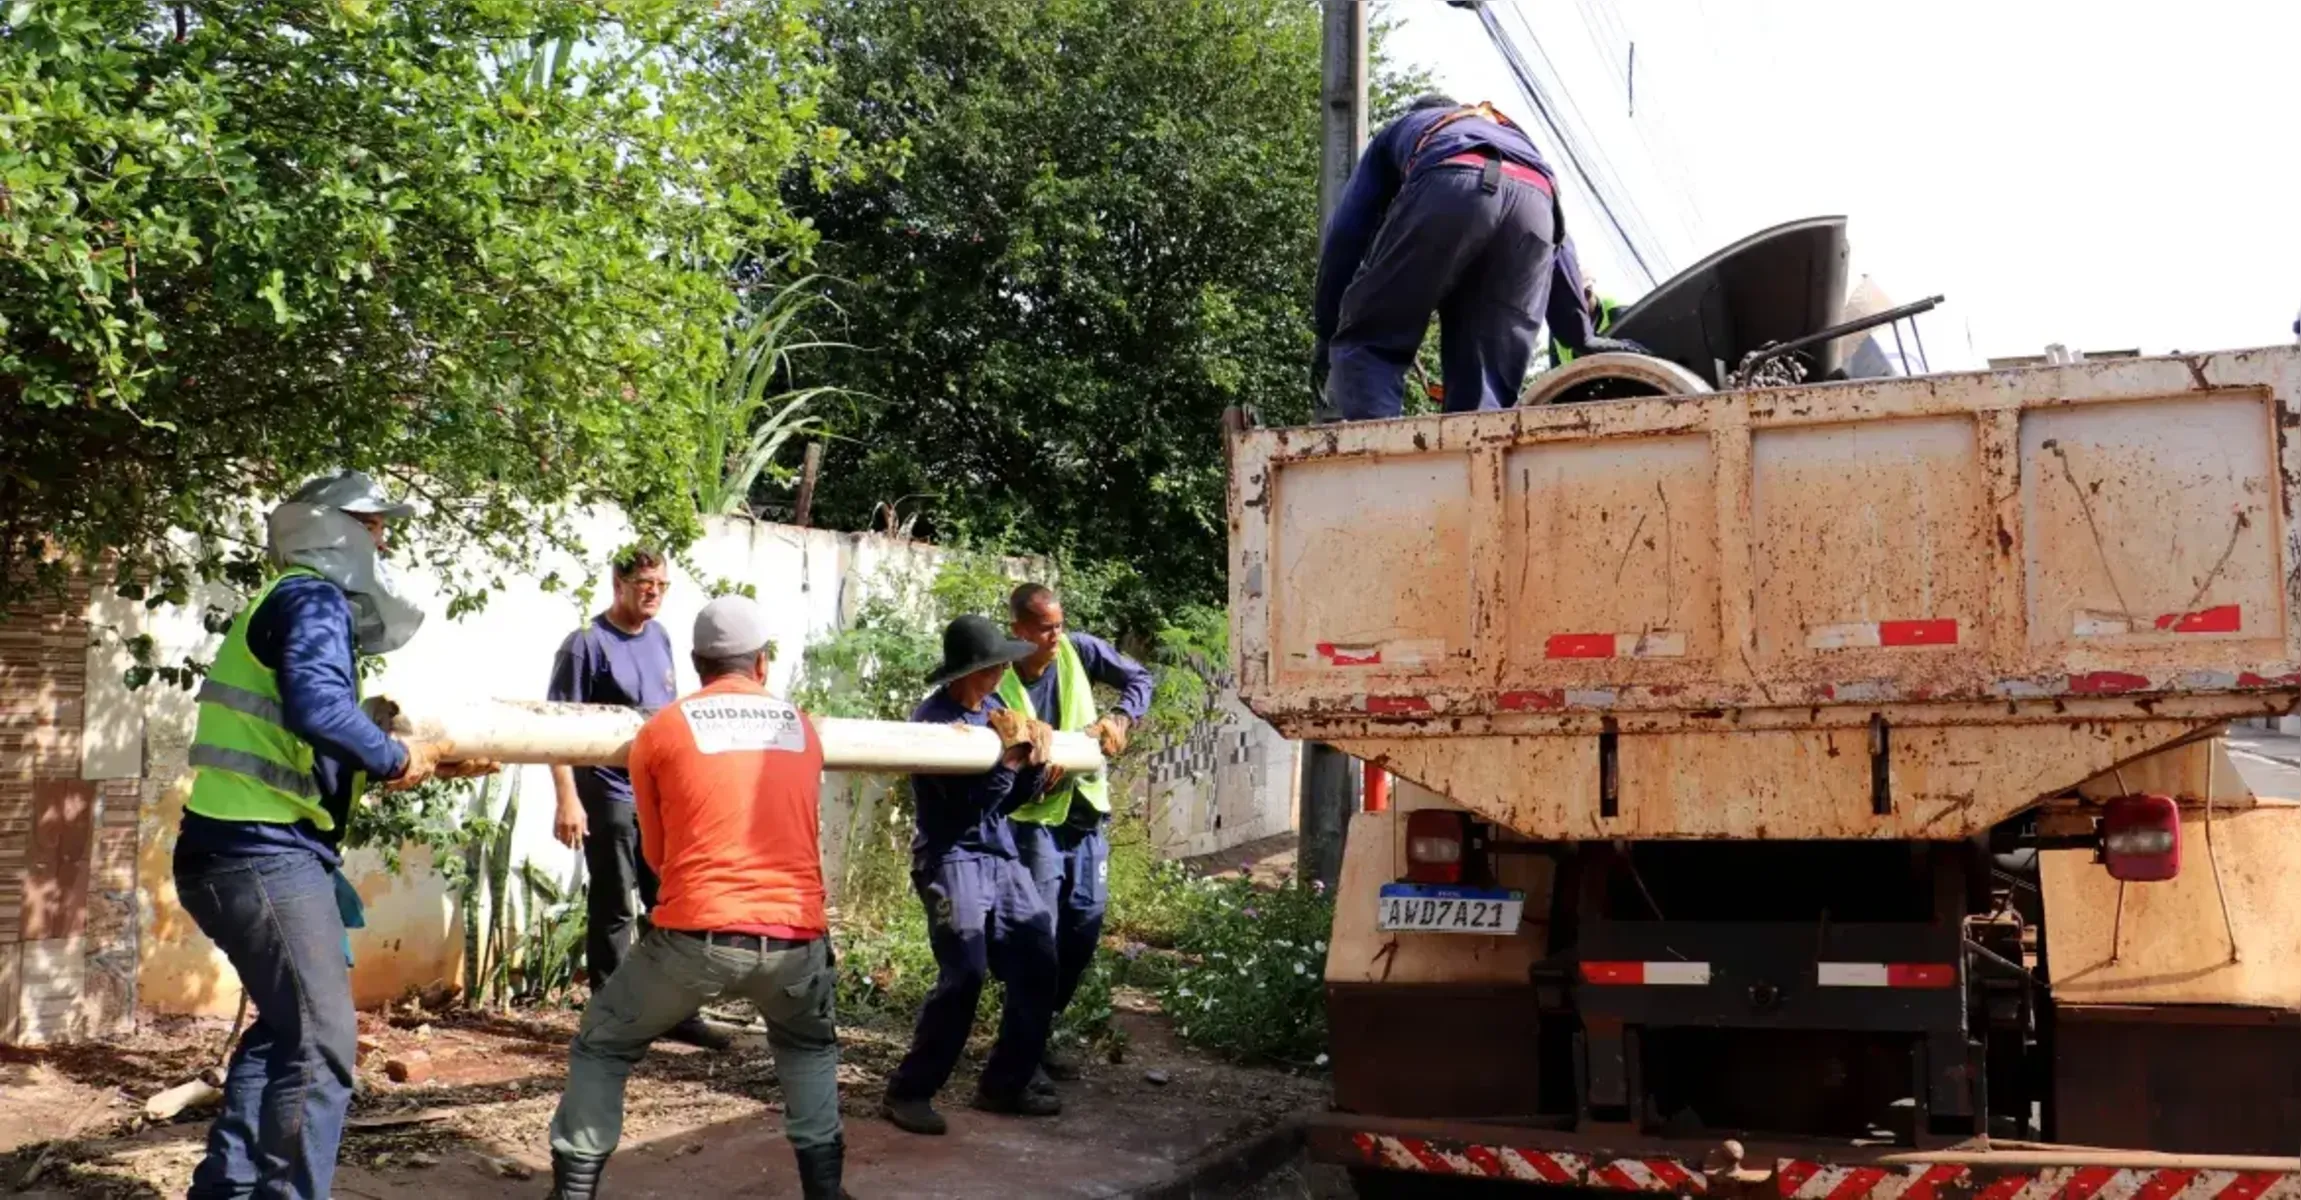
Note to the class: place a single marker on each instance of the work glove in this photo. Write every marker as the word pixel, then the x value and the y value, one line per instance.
pixel 466 768
pixel 1013 728
pixel 1318 366
pixel 1111 733
pixel 423 759
pixel 1607 345
pixel 1042 738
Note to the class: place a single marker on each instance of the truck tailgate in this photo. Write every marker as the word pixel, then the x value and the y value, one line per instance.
pixel 1896 608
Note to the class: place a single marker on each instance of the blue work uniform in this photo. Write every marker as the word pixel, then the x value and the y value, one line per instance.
pixel 1427 226
pixel 1070 861
pixel 267 894
pixel 985 919
pixel 601 664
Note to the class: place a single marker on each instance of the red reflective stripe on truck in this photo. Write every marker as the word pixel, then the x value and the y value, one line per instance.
pixel 1917 633
pixel 1579 645
pixel 1393 706
pixel 1796 1179
pixel 1350 656
pixel 2226 618
pixel 1862 635
pixel 1661 974
pixel 1921 975
pixel 1886 975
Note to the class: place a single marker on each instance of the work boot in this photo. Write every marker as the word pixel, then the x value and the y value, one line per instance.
pixel 574 1177
pixel 1060 1065
pixel 914 1116
pixel 819 1170
pixel 695 1031
pixel 1027 1103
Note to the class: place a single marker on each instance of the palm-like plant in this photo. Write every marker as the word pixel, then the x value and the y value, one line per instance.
pixel 751 415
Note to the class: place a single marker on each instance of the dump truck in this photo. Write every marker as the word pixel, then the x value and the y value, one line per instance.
pixel 1803 791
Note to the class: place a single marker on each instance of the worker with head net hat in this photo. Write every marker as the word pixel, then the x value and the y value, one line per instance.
pixel 281 753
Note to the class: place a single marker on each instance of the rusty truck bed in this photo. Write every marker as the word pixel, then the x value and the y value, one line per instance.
pixel 1900 608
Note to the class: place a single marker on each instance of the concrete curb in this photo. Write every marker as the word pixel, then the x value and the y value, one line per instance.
pixel 1229 1168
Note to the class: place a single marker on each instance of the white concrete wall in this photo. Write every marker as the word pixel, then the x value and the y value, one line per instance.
pixel 1233 781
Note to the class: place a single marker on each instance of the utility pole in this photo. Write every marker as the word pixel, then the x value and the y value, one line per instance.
pixel 1329 777
pixel 1342 89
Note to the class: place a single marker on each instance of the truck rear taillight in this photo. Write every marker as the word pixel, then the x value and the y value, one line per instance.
pixel 2141 838
pixel 1436 839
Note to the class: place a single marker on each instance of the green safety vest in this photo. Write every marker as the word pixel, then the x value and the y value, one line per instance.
pixel 1560 355
pixel 1076 694
pixel 246 765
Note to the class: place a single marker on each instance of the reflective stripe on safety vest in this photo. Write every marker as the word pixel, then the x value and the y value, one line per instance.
pixel 247 765
pixel 1075 695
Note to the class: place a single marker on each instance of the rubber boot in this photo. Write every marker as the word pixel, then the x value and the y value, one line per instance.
pixel 575 1178
pixel 820 1168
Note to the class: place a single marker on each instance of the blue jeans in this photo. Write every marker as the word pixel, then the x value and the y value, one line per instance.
pixel 290 1080
pixel 984 919
pixel 1479 260
pixel 1072 869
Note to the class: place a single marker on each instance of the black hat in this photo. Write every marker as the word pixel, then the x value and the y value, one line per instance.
pixel 973 643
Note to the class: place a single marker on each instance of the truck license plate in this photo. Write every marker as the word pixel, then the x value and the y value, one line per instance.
pixel 1433 908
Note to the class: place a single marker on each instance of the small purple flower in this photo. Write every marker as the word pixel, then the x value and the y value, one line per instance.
pixel 1252 913
pixel 1318 887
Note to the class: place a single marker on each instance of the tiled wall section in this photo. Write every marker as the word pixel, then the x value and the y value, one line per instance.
pixel 67 843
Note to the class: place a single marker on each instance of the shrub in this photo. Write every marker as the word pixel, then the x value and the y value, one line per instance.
pixel 1251 984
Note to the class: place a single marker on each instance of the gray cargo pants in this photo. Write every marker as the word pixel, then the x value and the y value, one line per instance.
pixel 669 978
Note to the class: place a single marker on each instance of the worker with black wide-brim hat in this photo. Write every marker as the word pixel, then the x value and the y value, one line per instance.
pixel 985 916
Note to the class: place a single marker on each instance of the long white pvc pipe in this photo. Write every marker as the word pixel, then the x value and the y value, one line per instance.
pixel 599 735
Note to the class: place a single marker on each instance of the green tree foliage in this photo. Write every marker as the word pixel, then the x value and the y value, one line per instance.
pixel 484 246
pixel 1104 233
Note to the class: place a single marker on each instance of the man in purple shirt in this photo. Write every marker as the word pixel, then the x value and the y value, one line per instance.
pixel 1060 836
pixel 624 658
pixel 1450 211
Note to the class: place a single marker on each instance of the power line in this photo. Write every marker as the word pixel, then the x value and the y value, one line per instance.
pixel 1667 161
pixel 1575 155
pixel 1585 134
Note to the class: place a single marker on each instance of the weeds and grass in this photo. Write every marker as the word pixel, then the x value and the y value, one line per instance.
pixel 1251 980
pixel 1238 967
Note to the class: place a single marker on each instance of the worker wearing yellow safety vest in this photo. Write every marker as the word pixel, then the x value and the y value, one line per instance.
pixel 281 753
pixel 1060 836
pixel 1602 313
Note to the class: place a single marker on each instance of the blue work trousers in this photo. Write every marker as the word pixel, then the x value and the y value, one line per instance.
pixel 290 1079
pixel 1072 868
pixel 984 920
pixel 1480 260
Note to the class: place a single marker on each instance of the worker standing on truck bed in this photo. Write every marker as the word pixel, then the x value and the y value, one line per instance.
pixel 1602 313
pixel 1060 835
pixel 622 657
pixel 1451 211
pixel 985 916
pixel 280 755
pixel 725 784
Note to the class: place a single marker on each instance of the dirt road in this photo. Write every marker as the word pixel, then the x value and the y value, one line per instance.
pixel 476 1127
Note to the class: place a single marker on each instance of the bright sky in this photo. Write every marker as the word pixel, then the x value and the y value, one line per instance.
pixel 2104 174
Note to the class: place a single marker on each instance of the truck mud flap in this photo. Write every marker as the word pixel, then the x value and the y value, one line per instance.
pixel 1490 1152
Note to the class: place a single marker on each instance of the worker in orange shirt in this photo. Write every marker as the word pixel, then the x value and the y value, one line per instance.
pixel 725 782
